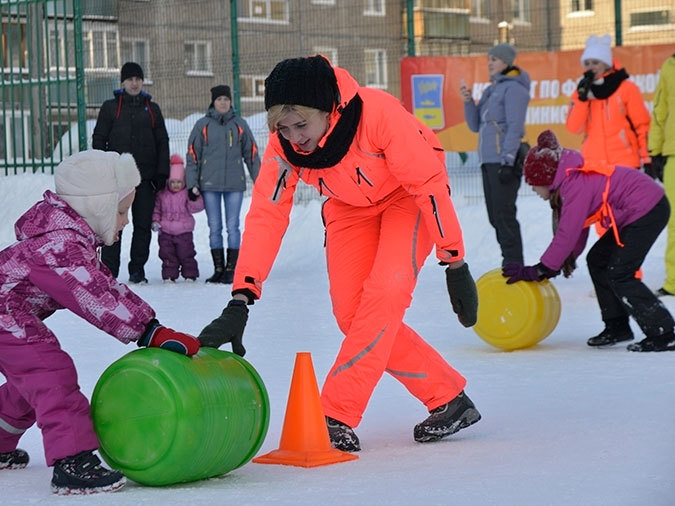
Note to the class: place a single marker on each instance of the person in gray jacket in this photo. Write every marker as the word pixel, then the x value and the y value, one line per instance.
pixel 499 119
pixel 217 145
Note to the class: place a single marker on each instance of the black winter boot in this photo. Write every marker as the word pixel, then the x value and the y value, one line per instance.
pixel 232 256
pixel 616 331
pixel 218 256
pixel 664 342
pixel 83 474
pixel 447 419
pixel 17 459
pixel 342 436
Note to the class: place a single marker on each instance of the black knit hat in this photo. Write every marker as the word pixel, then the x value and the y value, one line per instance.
pixel 219 91
pixel 302 81
pixel 131 69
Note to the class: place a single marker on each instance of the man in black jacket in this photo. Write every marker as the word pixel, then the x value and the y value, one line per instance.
pixel 131 123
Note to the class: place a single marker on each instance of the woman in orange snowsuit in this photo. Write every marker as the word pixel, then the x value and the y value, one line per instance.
pixel 609 110
pixel 388 203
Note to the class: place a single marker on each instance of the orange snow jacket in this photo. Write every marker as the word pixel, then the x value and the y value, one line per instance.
pixel 391 149
pixel 615 128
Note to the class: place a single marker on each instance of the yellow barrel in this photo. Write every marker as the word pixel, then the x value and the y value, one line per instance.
pixel 515 316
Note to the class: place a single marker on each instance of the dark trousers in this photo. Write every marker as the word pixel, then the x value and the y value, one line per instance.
pixel 178 253
pixel 141 219
pixel 500 200
pixel 612 268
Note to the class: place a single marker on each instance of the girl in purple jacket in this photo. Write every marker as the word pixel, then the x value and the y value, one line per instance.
pixel 172 218
pixel 55 265
pixel 633 209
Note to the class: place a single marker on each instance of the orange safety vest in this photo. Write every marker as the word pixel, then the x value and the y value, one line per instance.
pixel 604 213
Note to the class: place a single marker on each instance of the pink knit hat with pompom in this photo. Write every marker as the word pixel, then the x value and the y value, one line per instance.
pixel 541 162
pixel 177 169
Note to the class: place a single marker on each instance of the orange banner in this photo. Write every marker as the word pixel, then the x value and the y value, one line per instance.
pixel 430 89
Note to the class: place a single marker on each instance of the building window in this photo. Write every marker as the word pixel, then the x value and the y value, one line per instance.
pixel 521 10
pixel 266 11
pixel 198 58
pixel 652 18
pixel 14 46
pixel 329 52
pixel 100 49
pixel 376 68
pixel 137 50
pixel 252 88
pixel 480 9
pixel 581 5
pixel 61 50
pixel 374 8
pixel 323 2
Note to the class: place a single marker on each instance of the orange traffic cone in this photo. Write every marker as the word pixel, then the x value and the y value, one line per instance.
pixel 304 438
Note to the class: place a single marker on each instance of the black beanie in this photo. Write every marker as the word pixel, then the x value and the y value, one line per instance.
pixel 131 69
pixel 302 81
pixel 219 91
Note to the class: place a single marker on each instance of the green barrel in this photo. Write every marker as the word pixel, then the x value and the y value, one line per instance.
pixel 163 418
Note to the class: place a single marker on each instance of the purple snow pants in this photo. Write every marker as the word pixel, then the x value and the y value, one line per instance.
pixel 178 251
pixel 42 386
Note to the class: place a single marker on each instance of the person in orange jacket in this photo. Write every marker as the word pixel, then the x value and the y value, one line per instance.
pixel 388 203
pixel 609 110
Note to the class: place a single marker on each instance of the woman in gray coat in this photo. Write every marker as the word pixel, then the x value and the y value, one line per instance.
pixel 217 145
pixel 499 119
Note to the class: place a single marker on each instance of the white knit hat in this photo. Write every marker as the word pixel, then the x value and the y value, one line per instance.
pixel 598 47
pixel 93 183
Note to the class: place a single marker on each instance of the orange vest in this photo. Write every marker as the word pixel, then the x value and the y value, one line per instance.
pixel 604 213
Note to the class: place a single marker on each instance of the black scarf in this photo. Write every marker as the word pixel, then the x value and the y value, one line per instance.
pixel 337 144
pixel 610 84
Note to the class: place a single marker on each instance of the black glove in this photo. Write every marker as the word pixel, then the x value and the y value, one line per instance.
pixel 655 169
pixel 584 85
pixel 192 195
pixel 227 328
pixel 507 174
pixel 158 182
pixel 463 294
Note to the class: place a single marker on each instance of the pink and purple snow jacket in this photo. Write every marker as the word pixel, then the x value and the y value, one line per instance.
pixel 632 194
pixel 54 265
pixel 174 210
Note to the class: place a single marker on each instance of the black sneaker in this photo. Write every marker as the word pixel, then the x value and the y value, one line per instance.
pixel 447 419
pixel 342 436
pixel 83 474
pixel 137 278
pixel 665 342
pixel 662 292
pixel 17 459
pixel 611 335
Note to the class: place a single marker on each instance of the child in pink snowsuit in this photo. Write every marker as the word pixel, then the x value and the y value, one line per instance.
pixel 55 265
pixel 173 219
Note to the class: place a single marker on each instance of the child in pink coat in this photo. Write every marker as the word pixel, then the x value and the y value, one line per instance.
pixel 173 220
pixel 55 265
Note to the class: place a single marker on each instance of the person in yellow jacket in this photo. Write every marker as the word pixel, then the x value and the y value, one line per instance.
pixel 662 151
pixel 388 203
pixel 608 110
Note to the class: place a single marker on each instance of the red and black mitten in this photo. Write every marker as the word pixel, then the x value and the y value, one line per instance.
pixel 159 336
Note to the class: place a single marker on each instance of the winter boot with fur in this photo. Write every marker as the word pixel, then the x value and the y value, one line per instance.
pixel 17 459
pixel 664 342
pixel 232 256
pixel 342 436
pixel 616 331
pixel 447 419
pixel 83 474
pixel 218 256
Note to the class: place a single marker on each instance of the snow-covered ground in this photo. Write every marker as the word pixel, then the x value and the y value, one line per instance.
pixel 562 424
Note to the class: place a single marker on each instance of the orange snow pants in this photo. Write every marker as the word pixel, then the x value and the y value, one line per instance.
pixel 374 255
